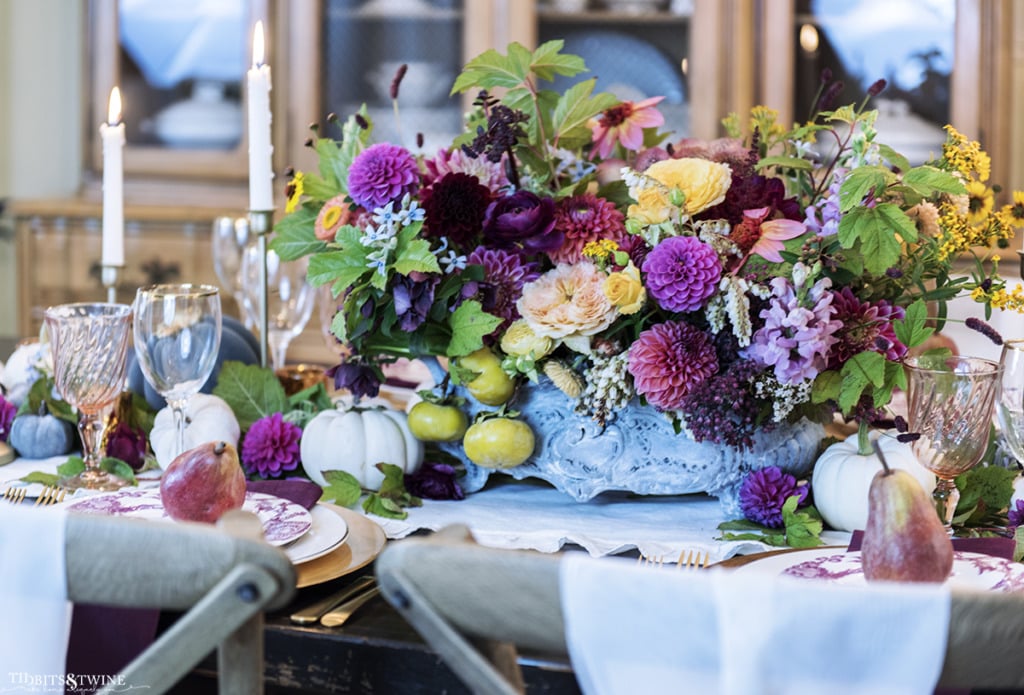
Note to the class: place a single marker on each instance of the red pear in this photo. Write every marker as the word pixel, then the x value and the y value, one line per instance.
pixel 203 483
pixel 904 539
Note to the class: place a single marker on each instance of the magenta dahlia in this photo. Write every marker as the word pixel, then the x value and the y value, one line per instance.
pixel 455 205
pixel 582 219
pixel 865 326
pixel 271 447
pixel 382 173
pixel 670 359
pixel 682 272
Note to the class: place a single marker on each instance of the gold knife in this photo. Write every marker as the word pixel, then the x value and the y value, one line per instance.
pixel 342 613
pixel 311 614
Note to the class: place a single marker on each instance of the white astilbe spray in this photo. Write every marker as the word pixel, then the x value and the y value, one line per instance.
pixel 608 389
pixel 733 290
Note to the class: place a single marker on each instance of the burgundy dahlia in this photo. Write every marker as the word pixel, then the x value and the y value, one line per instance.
pixel 382 173
pixel 127 444
pixel 582 219
pixel 434 481
pixel 271 447
pixel 752 192
pixel 682 272
pixel 865 326
pixel 455 205
pixel 669 360
pixel 764 491
pixel 522 220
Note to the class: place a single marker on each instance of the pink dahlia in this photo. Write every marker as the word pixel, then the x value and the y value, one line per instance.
pixel 490 174
pixel 865 326
pixel 505 273
pixel 455 205
pixel 582 219
pixel 271 447
pixel 669 360
pixel 682 272
pixel 382 173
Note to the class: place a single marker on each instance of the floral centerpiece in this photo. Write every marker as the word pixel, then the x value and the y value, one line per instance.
pixel 729 288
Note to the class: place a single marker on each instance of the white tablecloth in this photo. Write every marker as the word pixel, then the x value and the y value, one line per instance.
pixel 532 515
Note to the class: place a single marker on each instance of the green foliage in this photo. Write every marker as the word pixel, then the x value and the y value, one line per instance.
pixel 801 528
pixel 41 399
pixel 75 465
pixel 252 392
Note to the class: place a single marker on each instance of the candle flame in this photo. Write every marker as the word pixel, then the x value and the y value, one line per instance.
pixel 257 44
pixel 114 107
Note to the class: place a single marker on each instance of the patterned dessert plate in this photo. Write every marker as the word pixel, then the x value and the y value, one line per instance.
pixel 283 521
pixel 970 570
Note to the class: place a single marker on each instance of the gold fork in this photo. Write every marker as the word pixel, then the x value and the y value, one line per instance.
pixel 50 495
pixel 654 561
pixel 692 560
pixel 15 495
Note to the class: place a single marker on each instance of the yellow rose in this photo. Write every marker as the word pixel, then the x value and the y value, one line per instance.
pixel 625 290
pixel 702 181
pixel 653 206
pixel 520 341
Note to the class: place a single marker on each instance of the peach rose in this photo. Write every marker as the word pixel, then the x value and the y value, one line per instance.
pixel 625 290
pixel 568 303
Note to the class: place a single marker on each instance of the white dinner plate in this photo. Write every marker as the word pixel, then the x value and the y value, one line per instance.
pixel 970 570
pixel 283 521
pixel 328 532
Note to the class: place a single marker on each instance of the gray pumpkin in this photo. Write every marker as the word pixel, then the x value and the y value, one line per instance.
pixel 42 436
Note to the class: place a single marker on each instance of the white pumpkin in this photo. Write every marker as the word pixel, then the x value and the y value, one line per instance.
pixel 355 441
pixel 842 477
pixel 208 418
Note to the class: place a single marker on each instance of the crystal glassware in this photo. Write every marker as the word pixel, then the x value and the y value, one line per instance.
pixel 950 404
pixel 177 332
pixel 1010 410
pixel 89 344
pixel 290 299
pixel 230 236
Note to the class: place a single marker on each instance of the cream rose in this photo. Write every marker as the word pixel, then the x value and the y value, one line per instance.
pixel 520 341
pixel 568 303
pixel 625 290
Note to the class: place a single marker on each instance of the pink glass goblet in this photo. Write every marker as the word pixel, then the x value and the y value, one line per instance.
pixel 89 343
pixel 950 404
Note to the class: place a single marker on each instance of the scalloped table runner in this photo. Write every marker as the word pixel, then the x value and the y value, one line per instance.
pixel 526 514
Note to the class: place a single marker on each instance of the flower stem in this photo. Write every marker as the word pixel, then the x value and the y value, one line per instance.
pixel 864 447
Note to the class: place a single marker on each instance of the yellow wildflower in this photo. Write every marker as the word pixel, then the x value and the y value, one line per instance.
pixel 1017 209
pixel 999 298
pixel 766 121
pixel 966 156
pixel 980 199
pixel 625 290
pixel 600 249
pixel 294 191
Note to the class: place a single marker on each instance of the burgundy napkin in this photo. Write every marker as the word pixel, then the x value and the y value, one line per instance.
pixel 105 639
pixel 996 546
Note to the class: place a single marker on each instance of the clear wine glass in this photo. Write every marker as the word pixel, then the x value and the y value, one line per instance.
pixel 290 299
pixel 89 344
pixel 177 337
pixel 230 236
pixel 1010 411
pixel 950 404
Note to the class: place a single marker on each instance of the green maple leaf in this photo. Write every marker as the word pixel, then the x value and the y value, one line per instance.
pixel 863 369
pixel 912 330
pixel 294 236
pixel 859 183
pixel 413 254
pixel 873 231
pixel 576 107
pixel 469 324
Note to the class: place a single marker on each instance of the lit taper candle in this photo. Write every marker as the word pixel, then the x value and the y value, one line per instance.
pixel 261 176
pixel 112 134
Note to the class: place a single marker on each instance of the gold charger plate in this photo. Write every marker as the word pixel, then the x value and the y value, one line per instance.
pixel 365 541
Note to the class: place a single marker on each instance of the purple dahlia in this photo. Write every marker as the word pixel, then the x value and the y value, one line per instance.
pixel 7 412
pixel 669 360
pixel 271 447
pixel 682 272
pixel 763 493
pixel 381 174
pixel 505 273
pixel 865 326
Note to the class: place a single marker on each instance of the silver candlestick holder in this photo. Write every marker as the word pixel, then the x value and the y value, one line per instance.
pixel 261 222
pixel 108 276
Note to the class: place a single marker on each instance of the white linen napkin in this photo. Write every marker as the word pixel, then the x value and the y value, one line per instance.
pixel 33 592
pixel 636 629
